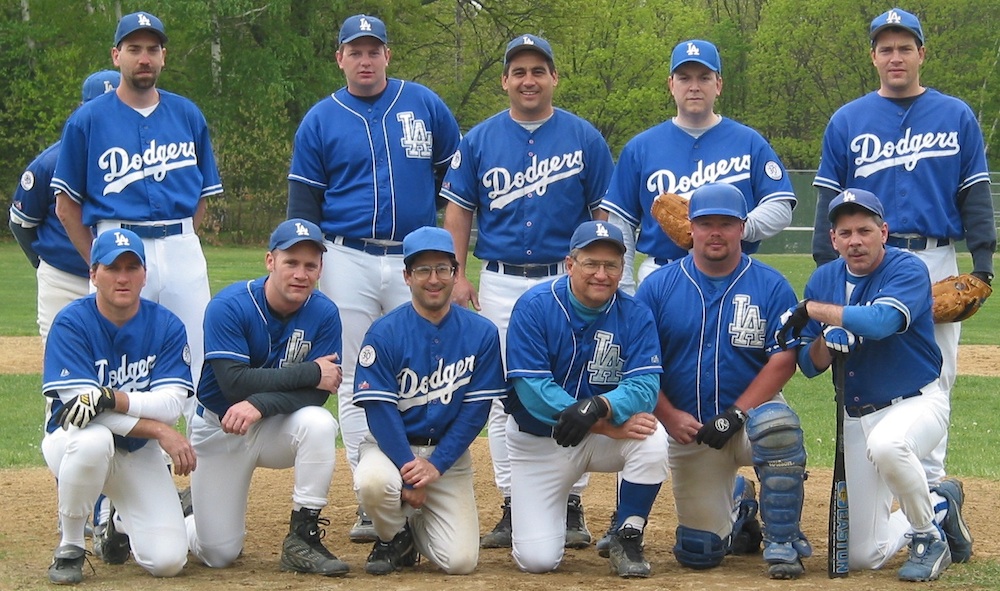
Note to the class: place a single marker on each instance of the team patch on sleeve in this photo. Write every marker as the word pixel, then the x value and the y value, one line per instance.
pixel 186 354
pixel 367 356
pixel 27 180
pixel 773 170
pixel 456 160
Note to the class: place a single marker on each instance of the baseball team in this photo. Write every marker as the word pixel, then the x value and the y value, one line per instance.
pixel 570 361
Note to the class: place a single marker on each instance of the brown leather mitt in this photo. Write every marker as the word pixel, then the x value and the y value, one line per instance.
pixel 671 212
pixel 958 297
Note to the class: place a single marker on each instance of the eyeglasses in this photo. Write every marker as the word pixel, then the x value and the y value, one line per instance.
pixel 612 268
pixel 424 271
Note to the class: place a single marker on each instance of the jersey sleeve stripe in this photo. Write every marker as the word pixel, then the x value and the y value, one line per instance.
pixel 976 178
pixel 60 185
pixel 451 196
pixel 481 395
pixel 376 396
pixel 23 220
pixel 613 208
pixel 827 183
pixel 528 373
pixel 646 369
pixel 235 356
pixel 893 302
pixel 213 190
pixel 71 383
pixel 304 180
pixel 779 196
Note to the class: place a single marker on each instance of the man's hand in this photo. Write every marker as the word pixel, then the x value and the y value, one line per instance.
pixel 841 340
pixel 638 426
pixel 575 421
pixel 716 432
pixel 239 417
pixel 83 408
pixel 179 449
pixel 419 472
pixel 331 374
pixel 464 292
pixel 414 497
pixel 792 322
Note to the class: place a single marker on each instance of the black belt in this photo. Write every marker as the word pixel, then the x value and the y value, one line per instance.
pixel 421 441
pixel 530 271
pixel 661 261
pixel 156 230
pixel 917 243
pixel 366 246
pixel 866 409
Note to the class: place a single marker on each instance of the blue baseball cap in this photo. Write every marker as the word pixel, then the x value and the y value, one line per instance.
pixel 291 232
pixel 896 18
pixel 589 232
pixel 696 50
pixel 362 25
pixel 428 238
pixel 717 199
pixel 139 21
pixel 99 83
pixel 525 43
pixel 113 243
pixel 859 197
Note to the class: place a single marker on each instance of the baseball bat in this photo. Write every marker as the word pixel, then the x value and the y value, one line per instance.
pixel 839 523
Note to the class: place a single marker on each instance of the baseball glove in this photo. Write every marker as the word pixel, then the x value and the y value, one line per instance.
pixel 671 212
pixel 958 297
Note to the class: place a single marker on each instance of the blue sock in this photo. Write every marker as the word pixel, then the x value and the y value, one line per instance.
pixel 635 500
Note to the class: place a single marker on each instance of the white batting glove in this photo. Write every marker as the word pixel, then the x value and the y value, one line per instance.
pixel 841 340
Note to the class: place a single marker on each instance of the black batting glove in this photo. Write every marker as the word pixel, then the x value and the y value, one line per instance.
pixel 81 409
pixel 575 421
pixel 721 428
pixel 983 276
pixel 792 322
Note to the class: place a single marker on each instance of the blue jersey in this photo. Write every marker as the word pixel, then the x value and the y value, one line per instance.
pixel 240 326
pixel 121 165
pixel 915 159
pixel 716 334
pixel 878 371
pixel 667 159
pixel 547 338
pixel 429 371
pixel 374 159
pixel 531 189
pixel 34 206
pixel 86 350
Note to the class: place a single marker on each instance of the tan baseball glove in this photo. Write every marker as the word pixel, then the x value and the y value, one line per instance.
pixel 958 297
pixel 671 212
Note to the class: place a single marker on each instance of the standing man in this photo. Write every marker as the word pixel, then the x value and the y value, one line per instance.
pixel 62 274
pixel 272 347
pixel 427 374
pixel 366 168
pixel 874 303
pixel 723 369
pixel 695 148
pixel 140 158
pixel 584 363
pixel 922 153
pixel 118 371
pixel 533 173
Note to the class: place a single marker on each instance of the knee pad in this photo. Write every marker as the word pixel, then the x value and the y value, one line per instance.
pixel 779 458
pixel 698 549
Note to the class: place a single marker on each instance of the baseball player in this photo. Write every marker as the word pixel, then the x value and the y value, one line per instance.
pixel 427 374
pixel 366 168
pixel 140 158
pixel 922 153
pixel 532 173
pixel 583 360
pixel 695 148
pixel 272 348
pixel 62 275
pixel 874 303
pixel 721 399
pixel 118 371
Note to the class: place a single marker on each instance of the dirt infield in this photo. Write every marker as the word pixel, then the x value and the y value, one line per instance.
pixel 28 537
pixel 28 533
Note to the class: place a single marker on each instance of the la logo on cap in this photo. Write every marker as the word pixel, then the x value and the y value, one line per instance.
pixel 848 196
pixel 144 21
pixel 527 40
pixel 301 230
pixel 121 239
pixel 693 49
pixel 365 26
pixel 893 18
pixel 602 231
